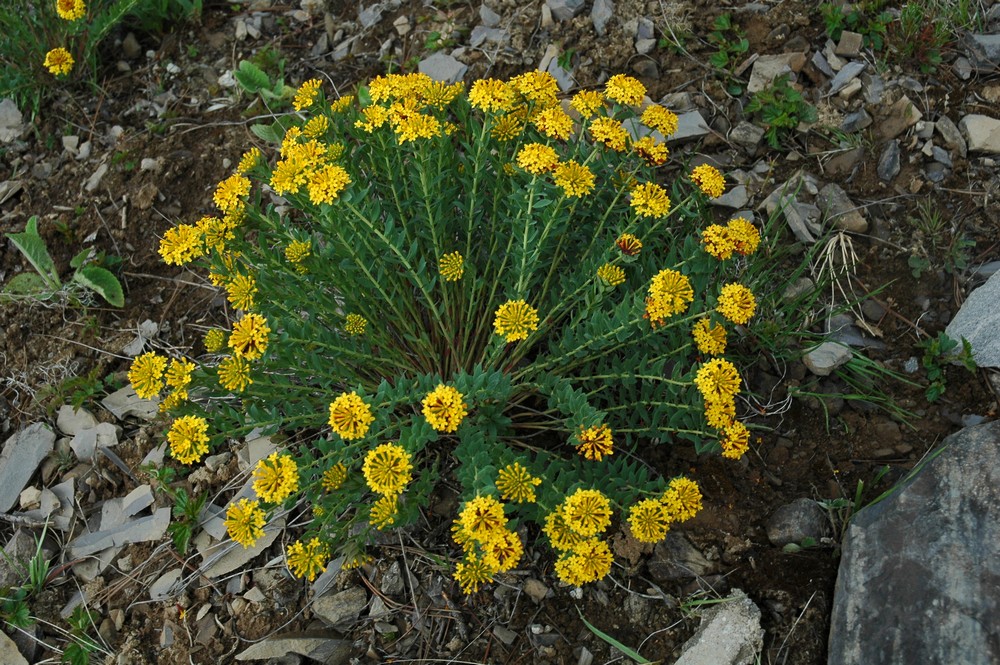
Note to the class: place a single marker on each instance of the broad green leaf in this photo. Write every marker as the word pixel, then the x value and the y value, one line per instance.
pixel 33 247
pixel 27 284
pixel 251 77
pixel 102 282
pixel 267 133
pixel 80 258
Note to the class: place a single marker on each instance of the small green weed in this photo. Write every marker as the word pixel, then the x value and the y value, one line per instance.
pixel 938 352
pixel 186 509
pixel 81 645
pixel 841 511
pixel 781 108
pixel 937 244
pixel 254 79
pixel 731 44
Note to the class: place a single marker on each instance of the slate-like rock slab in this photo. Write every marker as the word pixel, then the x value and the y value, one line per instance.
pixel 322 646
pixel 125 402
pixel 730 634
pixel 342 606
pixel 139 530
pixel 828 356
pixel 978 320
pixel 982 133
pixel 919 579
pixel 442 67
pixel 22 453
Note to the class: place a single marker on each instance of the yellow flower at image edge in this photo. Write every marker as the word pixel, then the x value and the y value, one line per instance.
pixel 146 375
pixel 516 484
pixel 308 560
pixel 451 266
pixel 249 337
pixel 188 438
pixel 444 409
pixel 276 478
pixel 71 10
pixel 515 319
pixel 245 522
pixel 58 61
pixel 350 416
pixel 595 442
pixel 387 468
pixel 736 303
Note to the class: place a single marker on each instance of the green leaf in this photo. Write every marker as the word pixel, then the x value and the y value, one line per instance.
pixel 27 284
pixel 80 258
pixel 251 77
pixel 33 247
pixel 101 281
pixel 267 133
pixel 613 642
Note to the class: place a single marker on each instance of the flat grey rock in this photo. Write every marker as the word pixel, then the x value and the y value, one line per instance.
pixel 162 587
pixel 564 10
pixel 981 132
pixel 442 67
pixel 14 561
pixel 11 121
pixel 675 558
pixel 983 51
pixel 747 136
pixel 22 453
pixel 828 356
pixel 736 198
pixel 123 403
pixel 227 556
pixel 889 162
pixel 116 512
pixel 600 14
pixel 978 320
pixel 848 73
pixel 899 117
pixel 839 211
pixel 86 442
pixel 689 125
pixel 140 530
pixel 730 634
pixel 855 122
pixel 919 579
pixel 481 34
pixel 325 647
pixel 9 651
pixel 337 608
pixel 769 67
pixel 951 134
pixel 489 17
pixel 797 521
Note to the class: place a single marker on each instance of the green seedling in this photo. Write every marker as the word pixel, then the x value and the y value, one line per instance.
pixel 781 108
pixel 938 352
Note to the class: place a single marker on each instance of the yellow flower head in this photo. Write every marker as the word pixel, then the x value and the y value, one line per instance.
pixel 587 102
pixel 181 244
pixel 297 252
pixel 670 293
pixel 173 400
pixel 355 324
pixel 710 340
pixel 306 94
pixel 717 241
pixel 471 572
pixel 682 498
pixel 507 128
pixel 595 442
pixel 735 440
pixel 308 560
pixel 720 412
pixel 589 561
pixel 744 235
pixel 188 438
pixel 240 291
pixel 650 200
pixel 503 551
pixel 491 95
pixel 624 90
pixel 249 160
pixel 276 478
pixel 481 518
pixel 413 126
pixel 661 119
pixel 384 511
pixel 516 484
pixel 374 117
pixel 179 373
pixel 146 375
pixel 736 303
pixel 611 275
pixel 215 232
pixel 234 374
pixel 574 179
pixel 538 88
pixel 58 61
pixel 71 10
pixel 444 409
pixel 709 180
pixel 215 339
pixel 342 104
pixel 629 244
pixel 515 319
pixel 537 158
pixel 249 337
pixel 245 522
pixel 609 132
pixel 387 468
pixel 316 127
pixel 557 529
pixel 230 192
pixel 350 416
pixel 326 184
pixel 588 512
pixel 654 152
pixel 717 380
pixel 334 477
pixel 451 266
pixel 649 521
pixel 554 123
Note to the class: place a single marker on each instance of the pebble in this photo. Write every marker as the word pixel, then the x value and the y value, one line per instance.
pixel 489 17
pixel 822 360
pixel 442 67
pixel 874 88
pixel 873 311
pixel 856 121
pixel 95 180
pixel 600 14
pixel 769 67
pixel 849 72
pixel 962 68
pixel 747 136
pixel 22 453
pixel 839 209
pixel 901 116
pixel 797 521
pixel 850 44
pixel 888 163
pixel 981 132
pixel 735 198
pixel 342 606
pixel 951 134
pixel 535 589
pixel 564 10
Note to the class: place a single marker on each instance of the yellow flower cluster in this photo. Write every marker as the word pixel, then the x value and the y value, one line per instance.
pixel 489 546
pixel 178 377
pixel 334 477
pixel 554 123
pixel 629 244
pixel 71 10
pixel 215 339
pixel 595 442
pixel 355 324
pixel 306 164
pixel 306 95
pixel 188 438
pixel 249 337
pixel 611 275
pixel 387 469
pixel 661 119
pixel 230 193
pixel 654 152
pixel 297 252
pixel 245 522
pixel 650 519
pixel 572 528
pixel 276 478
pixel 587 102
pixel 249 160
pixel 609 132
pixel 624 90
pixel 670 293
pixel 491 95
pixel 350 416
pixel 650 200
pixel 588 561
pixel 307 560
pixel 515 319
pixel 240 291
pixel 444 409
pixel 234 374
pixel 146 375
pixel 181 244
pixel 383 511
pixel 710 340
pixel 215 232
pixel 451 266
pixel 709 180
pixel 536 158
pixel 739 236
pixel 515 483
pixel 736 303
pixel 58 61
pixel 573 178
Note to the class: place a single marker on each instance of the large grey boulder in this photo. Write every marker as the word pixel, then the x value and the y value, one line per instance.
pixel 919 581
pixel 978 320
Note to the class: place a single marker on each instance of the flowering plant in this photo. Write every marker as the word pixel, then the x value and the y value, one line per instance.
pixel 488 287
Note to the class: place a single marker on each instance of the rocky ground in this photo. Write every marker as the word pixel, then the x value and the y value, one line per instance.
pixel 900 160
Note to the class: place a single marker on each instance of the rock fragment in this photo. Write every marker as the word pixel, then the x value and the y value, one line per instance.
pixel 22 453
pixel 822 360
pixel 981 132
pixel 730 634
pixel 798 521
